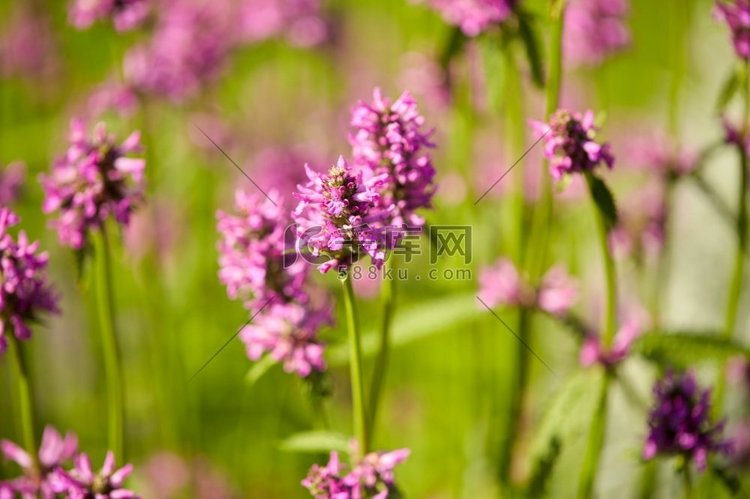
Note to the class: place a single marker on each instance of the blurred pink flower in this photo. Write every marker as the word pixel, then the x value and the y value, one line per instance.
pixel 641 225
pixel 94 180
pixel 125 14
pixel 736 14
pixel 283 168
pixel 156 228
pixel 658 154
pixel 634 320
pixel 27 47
pixel 170 476
pixel 111 96
pixel 299 21
pixel 11 178
pixel 595 29
pixel 474 16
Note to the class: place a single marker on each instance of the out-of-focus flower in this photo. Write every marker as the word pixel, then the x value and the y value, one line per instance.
pixel 282 169
pixel 426 78
pixel 502 284
pixel 680 423
pixel 187 49
pixel 474 16
pixel 54 451
pixel 82 482
pixel 570 145
pixel 299 21
pixel 593 352
pixel 734 135
pixel 657 154
pixel 741 444
pixel 371 477
pixel 339 216
pixel 11 178
pixel 157 229
pixel 388 140
pixel 95 179
pixel 125 14
pixel 168 475
pixel 595 29
pixel 27 47
pixel 25 293
pixel 254 266
pixel 736 13
pixel 641 224
pixel 111 96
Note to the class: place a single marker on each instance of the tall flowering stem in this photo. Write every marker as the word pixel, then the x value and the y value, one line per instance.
pixel 111 351
pixel 381 361
pixel 25 399
pixel 361 420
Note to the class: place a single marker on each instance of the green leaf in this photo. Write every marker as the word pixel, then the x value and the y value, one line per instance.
pixel 728 90
pixel 315 442
pixel 532 47
pixel 418 322
pixel 259 368
pixel 605 201
pixel 682 349
pixel 729 480
pixel 567 417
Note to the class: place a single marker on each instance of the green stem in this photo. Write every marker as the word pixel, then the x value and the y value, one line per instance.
pixel 355 363
pixel 25 399
pixel 112 365
pixel 687 481
pixel 595 443
pixel 381 361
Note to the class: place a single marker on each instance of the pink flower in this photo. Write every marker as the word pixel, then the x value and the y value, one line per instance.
pixel 27 44
pixel 502 284
pixel 641 225
pixel 83 483
pixel 116 97
pixel 24 291
pixel 338 216
pixel 95 179
pixel 595 29
pixel 300 21
pixel 54 451
pixel 125 14
pixel 736 14
pixel 474 16
pixel 569 143
pixel 388 140
pixel 11 178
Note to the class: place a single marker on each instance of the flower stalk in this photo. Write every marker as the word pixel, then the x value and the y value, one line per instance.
pixel 25 399
pixel 361 426
pixel 381 361
pixel 111 352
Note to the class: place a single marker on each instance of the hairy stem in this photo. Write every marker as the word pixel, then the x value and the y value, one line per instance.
pixel 361 430
pixel 111 352
pixel 25 398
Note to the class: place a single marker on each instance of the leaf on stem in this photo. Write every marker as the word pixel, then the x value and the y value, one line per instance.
pixel 604 200
pixel 682 349
pixel 315 442
pixel 532 47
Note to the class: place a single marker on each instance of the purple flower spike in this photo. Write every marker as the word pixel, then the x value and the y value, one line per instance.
pixel 125 14
pixel 24 291
pixel 679 422
pixel 736 14
pixel 474 16
pixel 94 180
pixel 569 143
pixel 371 477
pixel 83 483
pixel 595 29
pixel 55 451
pixel 388 139
pixel 337 216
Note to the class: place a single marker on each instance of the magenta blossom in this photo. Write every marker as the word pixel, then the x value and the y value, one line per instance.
pixel 11 178
pixel 111 96
pixel 299 21
pixel 569 143
pixel 25 293
pixel 502 284
pixel 83 483
pixel 388 140
pixel 95 179
pixel 736 13
pixel 595 29
pixel 338 216
pixel 641 224
pixel 680 422
pixel 371 477
pixel 474 16
pixel 125 14
pixel 54 452
pixel 28 48
pixel 660 155
pixel 593 352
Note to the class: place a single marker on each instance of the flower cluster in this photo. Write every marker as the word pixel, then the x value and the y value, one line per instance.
pixel 388 139
pixel 474 16
pixel 82 482
pixel 736 14
pixel 95 179
pixel 371 477
pixel 24 293
pixel 502 284
pixel 595 29
pixel 299 21
pixel 570 145
pixel 11 178
pixel 679 422
pixel 256 267
pixel 125 14
pixel 338 216
pixel 188 47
